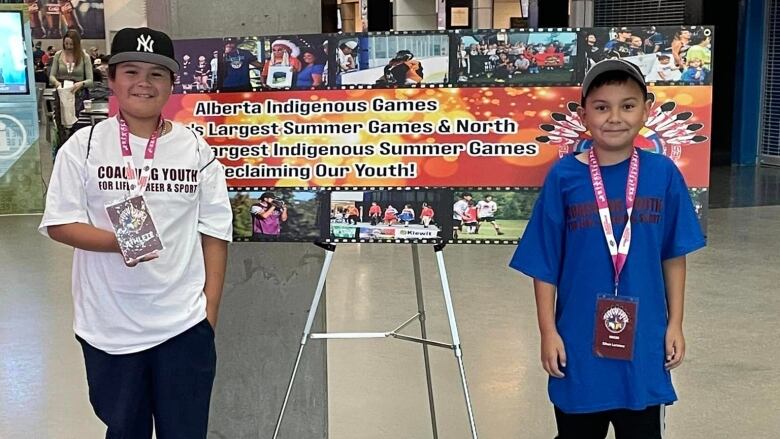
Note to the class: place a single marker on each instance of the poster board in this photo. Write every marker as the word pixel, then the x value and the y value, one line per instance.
pixel 413 121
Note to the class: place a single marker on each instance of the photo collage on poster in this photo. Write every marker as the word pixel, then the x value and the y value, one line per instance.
pixel 468 216
pixel 51 19
pixel 667 55
pixel 338 212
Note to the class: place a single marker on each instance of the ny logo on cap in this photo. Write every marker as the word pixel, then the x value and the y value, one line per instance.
pixel 146 43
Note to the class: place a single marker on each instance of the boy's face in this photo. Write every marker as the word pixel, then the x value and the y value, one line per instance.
pixel 142 89
pixel 614 114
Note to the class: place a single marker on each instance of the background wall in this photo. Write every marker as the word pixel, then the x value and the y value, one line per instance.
pixel 235 17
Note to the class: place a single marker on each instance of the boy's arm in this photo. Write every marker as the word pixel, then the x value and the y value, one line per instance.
pixel 85 237
pixel 215 261
pixel 674 279
pixel 553 351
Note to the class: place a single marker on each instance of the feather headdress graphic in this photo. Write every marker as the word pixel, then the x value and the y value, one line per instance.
pixel 665 131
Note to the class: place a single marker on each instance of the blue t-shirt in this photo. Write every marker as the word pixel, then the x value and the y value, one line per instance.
pixel 564 245
pixel 237 68
pixel 304 77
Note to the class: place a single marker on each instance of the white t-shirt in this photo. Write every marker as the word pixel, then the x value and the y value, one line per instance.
pixel 486 209
pixel 459 209
pixel 122 310
pixel 670 72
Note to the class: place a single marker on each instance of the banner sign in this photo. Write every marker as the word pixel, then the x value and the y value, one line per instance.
pixel 423 136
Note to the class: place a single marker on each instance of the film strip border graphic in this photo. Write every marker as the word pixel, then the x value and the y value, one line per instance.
pixel 341 189
pixel 577 68
pixel 324 237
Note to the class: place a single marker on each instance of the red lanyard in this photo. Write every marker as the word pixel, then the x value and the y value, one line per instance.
pixel 137 187
pixel 619 252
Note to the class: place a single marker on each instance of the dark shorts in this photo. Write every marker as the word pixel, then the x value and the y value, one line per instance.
pixel 489 219
pixel 628 424
pixel 168 385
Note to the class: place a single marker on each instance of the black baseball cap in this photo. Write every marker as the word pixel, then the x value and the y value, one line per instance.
pixel 613 65
pixel 144 45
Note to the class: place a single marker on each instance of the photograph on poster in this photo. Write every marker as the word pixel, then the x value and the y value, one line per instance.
pixel 276 215
pixel 491 215
pixel 386 215
pixel 344 55
pixel 516 57
pixel 297 62
pixel 239 65
pixel 397 60
pixel 52 18
pixel 663 53
pixel 198 64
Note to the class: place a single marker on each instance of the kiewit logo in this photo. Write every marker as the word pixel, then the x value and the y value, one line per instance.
pixel 13 138
pixel 145 43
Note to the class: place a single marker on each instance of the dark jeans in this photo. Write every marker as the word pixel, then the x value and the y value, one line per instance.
pixel 168 385
pixel 628 424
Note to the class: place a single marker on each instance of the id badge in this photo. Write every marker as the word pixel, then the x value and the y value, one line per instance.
pixel 616 318
pixel 134 228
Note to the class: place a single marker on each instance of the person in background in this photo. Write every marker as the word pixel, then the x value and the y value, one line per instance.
pixel 48 56
pixel 426 215
pixel 202 74
pixel 375 213
pixel 71 71
pixel 214 63
pixel 345 58
pixel 37 52
pixel 312 71
pixel 233 71
pixel 268 214
pixel 71 64
pixel 283 53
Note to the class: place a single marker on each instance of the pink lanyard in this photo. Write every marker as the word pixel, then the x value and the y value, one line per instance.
pixel 619 253
pixel 137 187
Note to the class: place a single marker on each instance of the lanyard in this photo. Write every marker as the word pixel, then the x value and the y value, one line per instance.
pixel 619 252
pixel 137 187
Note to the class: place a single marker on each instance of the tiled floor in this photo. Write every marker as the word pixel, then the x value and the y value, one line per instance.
pixel 728 386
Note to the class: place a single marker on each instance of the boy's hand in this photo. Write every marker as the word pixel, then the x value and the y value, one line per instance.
pixel 675 347
pixel 151 256
pixel 553 353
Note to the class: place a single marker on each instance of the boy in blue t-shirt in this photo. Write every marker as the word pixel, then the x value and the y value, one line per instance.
pixel 609 303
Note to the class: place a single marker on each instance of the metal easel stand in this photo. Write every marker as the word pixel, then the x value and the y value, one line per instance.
pixel 395 333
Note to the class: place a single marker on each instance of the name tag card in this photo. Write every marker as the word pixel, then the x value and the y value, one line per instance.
pixel 615 327
pixel 134 228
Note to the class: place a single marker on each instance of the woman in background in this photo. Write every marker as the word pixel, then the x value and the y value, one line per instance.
pixel 71 72
pixel 71 64
pixel 311 73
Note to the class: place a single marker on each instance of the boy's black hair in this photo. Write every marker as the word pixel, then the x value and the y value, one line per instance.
pixel 112 73
pixel 613 77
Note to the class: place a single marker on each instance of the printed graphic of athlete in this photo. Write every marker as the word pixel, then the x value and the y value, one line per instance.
pixel 486 212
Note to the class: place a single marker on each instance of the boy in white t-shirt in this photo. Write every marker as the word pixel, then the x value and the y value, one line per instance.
pixel 664 69
pixel 146 324
pixel 486 212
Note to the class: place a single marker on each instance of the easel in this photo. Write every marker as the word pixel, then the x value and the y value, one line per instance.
pixel 454 346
